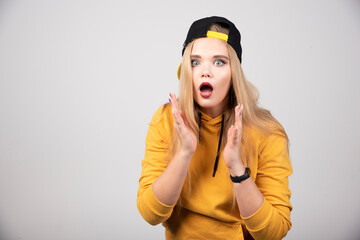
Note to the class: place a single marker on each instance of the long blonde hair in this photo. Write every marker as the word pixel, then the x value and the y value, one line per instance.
pixel 241 91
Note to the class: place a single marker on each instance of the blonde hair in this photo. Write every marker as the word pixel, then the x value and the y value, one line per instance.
pixel 241 91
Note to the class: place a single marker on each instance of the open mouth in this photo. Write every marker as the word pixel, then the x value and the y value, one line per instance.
pixel 206 89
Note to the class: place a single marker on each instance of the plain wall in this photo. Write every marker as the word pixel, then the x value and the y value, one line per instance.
pixel 80 81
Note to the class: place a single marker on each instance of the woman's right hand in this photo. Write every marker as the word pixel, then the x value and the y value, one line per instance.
pixel 168 186
pixel 187 137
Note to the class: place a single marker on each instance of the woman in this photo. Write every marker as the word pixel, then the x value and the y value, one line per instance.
pixel 216 165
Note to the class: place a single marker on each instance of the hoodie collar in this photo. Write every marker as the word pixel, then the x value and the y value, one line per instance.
pixel 206 119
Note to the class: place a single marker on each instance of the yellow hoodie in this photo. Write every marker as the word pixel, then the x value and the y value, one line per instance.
pixel 207 208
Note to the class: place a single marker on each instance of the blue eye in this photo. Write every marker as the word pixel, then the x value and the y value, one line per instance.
pixel 219 62
pixel 194 63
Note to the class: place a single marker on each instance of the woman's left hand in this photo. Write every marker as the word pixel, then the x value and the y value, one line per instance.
pixel 231 152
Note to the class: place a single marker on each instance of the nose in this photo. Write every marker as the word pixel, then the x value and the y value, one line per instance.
pixel 206 73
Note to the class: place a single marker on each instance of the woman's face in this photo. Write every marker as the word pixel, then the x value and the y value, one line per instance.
pixel 211 75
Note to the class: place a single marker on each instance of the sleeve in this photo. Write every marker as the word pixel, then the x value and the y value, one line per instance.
pixel 154 163
pixel 272 219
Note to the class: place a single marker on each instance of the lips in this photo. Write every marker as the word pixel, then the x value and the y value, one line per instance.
pixel 206 89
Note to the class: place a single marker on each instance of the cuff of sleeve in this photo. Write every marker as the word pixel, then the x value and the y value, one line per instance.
pixel 156 206
pixel 260 218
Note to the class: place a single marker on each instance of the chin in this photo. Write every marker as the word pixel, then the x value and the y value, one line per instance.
pixel 206 103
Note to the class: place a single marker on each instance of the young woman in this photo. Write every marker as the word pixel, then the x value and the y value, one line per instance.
pixel 216 165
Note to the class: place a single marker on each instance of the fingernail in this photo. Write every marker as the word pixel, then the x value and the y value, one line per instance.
pixel 169 100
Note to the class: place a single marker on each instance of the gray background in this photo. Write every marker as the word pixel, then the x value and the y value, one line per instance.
pixel 80 81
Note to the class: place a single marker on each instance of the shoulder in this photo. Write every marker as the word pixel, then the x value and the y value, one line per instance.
pixel 163 113
pixel 161 124
pixel 163 118
pixel 271 143
pixel 273 151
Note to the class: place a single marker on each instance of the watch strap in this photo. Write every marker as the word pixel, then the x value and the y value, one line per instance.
pixel 239 179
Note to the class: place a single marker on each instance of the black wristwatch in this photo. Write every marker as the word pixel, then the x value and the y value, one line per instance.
pixel 238 179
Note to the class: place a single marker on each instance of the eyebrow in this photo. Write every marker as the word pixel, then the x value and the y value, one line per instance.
pixel 215 56
pixel 221 56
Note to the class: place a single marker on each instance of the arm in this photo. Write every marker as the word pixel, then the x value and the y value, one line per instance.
pixel 167 187
pixel 250 202
pixel 154 163
pixel 272 220
pixel 161 184
pixel 264 205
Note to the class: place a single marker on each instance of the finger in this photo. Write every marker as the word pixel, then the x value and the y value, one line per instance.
pixel 180 127
pixel 171 102
pixel 178 115
pixel 174 103
pixel 238 117
pixel 179 123
pixel 184 118
pixel 237 114
pixel 241 115
pixel 233 135
pixel 236 135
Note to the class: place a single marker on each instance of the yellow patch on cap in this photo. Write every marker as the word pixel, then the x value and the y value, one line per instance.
pixel 218 35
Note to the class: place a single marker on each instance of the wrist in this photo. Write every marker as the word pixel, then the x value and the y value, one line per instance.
pixel 185 153
pixel 237 170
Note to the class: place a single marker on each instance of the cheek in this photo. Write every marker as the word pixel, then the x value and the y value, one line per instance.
pixel 195 72
pixel 225 83
pixel 225 78
pixel 228 77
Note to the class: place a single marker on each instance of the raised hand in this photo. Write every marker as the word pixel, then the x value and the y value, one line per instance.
pixel 187 137
pixel 231 152
pixel 167 187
